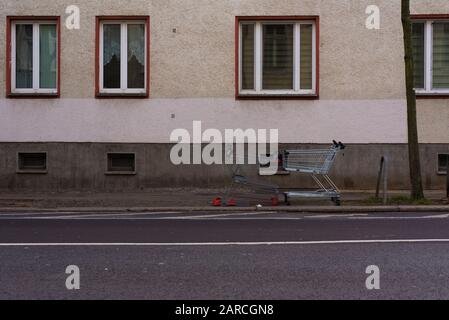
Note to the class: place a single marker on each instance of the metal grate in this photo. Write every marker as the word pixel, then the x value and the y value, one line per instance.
pixel 121 162
pixel 32 161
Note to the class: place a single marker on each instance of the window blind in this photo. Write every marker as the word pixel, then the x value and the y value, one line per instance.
pixel 441 55
pixel 418 54
pixel 277 57
pixel 306 59
pixel 47 56
pixel 247 56
pixel 24 56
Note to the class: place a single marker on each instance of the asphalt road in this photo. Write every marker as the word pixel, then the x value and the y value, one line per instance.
pixel 259 255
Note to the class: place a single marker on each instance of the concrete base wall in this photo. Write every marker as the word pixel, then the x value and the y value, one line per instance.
pixel 82 167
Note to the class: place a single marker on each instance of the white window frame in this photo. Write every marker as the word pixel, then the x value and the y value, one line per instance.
pixel 36 58
pixel 258 59
pixel 428 60
pixel 123 58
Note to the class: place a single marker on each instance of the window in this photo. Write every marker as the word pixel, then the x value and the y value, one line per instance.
pixel 123 56
pixel 121 163
pixel 277 57
pixel 32 162
pixel 34 56
pixel 443 160
pixel 431 56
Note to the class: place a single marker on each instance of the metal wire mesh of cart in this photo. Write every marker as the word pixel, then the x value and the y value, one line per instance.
pixel 317 161
pixel 240 178
pixel 241 175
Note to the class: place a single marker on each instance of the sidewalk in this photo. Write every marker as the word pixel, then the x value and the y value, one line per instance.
pixel 200 200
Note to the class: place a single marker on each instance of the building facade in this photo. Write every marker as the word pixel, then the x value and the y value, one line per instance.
pixel 92 109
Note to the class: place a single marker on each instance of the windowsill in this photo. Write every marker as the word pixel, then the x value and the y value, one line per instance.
pixel 104 95
pixel 31 171
pixel 442 173
pixel 277 96
pixel 120 173
pixel 430 94
pixel 33 95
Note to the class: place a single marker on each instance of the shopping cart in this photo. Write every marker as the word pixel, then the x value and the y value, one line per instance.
pixel 316 163
pixel 239 178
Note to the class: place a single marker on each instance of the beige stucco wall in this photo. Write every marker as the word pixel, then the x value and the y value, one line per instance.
pixel 192 76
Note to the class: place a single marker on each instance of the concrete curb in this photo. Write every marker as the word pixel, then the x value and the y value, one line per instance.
pixel 298 209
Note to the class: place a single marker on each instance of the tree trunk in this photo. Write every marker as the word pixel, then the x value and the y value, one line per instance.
pixel 413 145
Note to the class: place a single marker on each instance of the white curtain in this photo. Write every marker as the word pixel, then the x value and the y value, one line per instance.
pixel 136 56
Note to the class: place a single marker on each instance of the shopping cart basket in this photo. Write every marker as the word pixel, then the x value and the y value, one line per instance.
pixel 241 179
pixel 316 163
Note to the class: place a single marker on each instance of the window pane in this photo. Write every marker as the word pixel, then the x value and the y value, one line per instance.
pixel 24 56
pixel 441 55
pixel 306 56
pixel 136 56
pixel 277 56
pixel 48 57
pixel 418 53
pixel 248 56
pixel 111 56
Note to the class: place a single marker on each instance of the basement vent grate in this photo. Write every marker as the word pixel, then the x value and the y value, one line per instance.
pixel 32 162
pixel 121 163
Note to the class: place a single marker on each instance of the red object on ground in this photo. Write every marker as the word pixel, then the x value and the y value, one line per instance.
pixel 216 202
pixel 274 201
pixel 232 203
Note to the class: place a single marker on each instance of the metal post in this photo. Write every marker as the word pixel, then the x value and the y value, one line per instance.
pixel 379 177
pixel 447 179
pixel 385 180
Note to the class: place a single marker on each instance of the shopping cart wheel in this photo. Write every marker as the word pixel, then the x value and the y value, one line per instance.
pixel 336 201
pixel 286 200
pixel 216 202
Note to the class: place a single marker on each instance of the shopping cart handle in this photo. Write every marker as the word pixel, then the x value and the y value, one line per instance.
pixel 339 145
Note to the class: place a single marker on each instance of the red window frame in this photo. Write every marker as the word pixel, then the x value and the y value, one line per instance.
pixel 239 96
pixel 9 21
pixel 98 21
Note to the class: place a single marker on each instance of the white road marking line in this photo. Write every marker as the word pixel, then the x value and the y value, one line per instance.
pixel 101 215
pixel 228 216
pixel 155 218
pixel 19 214
pixel 224 215
pixel 84 216
pixel 335 216
pixel 441 216
pixel 196 244
pixel 135 216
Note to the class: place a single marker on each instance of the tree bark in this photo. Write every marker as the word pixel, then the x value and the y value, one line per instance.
pixel 413 144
